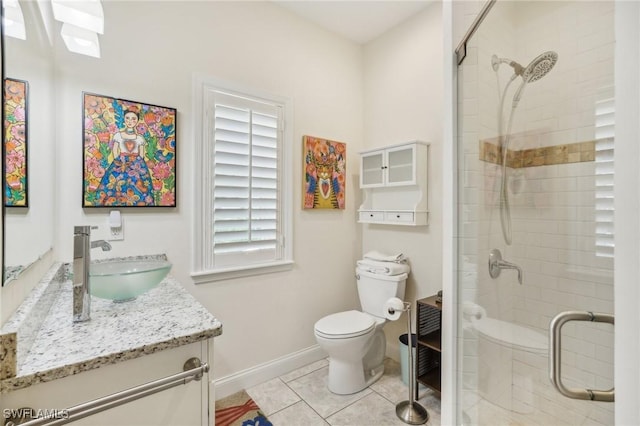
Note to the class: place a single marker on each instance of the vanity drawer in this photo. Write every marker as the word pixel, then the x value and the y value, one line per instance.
pixel 370 216
pixel 399 217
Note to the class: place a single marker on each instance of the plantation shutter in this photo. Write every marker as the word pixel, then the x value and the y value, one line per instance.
pixel 605 135
pixel 246 219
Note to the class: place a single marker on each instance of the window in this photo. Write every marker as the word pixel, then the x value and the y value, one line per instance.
pixel 605 136
pixel 243 220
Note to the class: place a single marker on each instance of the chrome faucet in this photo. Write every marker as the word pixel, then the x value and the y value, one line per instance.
pixel 105 246
pixel 496 265
pixel 82 246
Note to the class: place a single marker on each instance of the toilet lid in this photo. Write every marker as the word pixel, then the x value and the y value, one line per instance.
pixel 344 325
pixel 512 335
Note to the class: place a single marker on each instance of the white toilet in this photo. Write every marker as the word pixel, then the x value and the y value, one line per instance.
pixel 354 340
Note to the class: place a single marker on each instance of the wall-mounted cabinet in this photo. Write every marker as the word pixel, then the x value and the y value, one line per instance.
pixel 394 166
pixel 394 184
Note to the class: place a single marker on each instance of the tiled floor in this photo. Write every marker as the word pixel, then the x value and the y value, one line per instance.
pixel 302 398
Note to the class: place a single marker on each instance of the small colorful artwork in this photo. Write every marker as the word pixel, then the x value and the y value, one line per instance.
pixel 325 165
pixel 15 132
pixel 129 153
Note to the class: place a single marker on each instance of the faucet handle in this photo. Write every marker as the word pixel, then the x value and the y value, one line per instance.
pixel 497 264
pixel 86 230
pixel 495 257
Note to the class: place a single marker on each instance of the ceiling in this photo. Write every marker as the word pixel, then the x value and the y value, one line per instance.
pixel 358 20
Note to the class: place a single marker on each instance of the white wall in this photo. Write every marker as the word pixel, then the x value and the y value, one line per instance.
pixel 149 55
pixel 403 89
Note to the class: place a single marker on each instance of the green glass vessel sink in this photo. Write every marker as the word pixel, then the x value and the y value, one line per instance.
pixel 121 280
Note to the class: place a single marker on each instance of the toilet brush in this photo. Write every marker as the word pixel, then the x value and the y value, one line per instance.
pixel 410 412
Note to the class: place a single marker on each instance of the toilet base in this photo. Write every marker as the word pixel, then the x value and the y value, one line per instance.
pixel 346 378
pixel 351 372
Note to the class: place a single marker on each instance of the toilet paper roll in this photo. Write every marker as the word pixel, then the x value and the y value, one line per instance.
pixel 393 308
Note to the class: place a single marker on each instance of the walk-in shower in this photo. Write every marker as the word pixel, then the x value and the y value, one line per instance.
pixel 534 179
pixel 536 69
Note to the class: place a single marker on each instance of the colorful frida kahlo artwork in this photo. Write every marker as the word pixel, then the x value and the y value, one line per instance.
pixel 15 134
pixel 325 165
pixel 129 153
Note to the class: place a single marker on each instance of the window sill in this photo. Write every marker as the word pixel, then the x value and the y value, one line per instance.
pixel 203 277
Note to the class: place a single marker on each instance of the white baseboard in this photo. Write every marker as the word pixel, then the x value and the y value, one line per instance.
pixel 253 376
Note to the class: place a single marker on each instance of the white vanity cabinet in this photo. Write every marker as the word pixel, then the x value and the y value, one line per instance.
pixel 394 184
pixel 188 404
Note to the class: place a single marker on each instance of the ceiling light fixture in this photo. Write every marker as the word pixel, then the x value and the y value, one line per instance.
pixel 80 40
pixel 14 19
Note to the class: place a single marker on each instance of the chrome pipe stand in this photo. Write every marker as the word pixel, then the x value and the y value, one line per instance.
pixel 411 411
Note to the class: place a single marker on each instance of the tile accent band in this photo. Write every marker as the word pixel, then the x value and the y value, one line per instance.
pixel 579 152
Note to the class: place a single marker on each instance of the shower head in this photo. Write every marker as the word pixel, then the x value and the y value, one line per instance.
pixel 536 69
pixel 539 67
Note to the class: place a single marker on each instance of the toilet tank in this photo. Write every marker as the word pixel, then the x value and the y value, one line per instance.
pixel 375 289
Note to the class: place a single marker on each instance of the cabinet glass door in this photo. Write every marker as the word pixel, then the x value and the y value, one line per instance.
pixel 401 165
pixel 372 170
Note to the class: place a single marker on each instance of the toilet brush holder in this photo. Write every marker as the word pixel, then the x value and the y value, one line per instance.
pixel 410 411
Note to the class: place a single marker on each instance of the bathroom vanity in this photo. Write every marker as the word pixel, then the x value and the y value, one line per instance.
pixel 61 364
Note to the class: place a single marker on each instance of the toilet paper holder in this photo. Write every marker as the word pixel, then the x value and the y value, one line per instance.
pixel 410 411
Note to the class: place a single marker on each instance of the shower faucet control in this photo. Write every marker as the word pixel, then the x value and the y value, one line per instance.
pixel 496 265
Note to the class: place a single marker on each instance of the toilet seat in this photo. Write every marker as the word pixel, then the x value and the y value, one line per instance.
pixel 344 325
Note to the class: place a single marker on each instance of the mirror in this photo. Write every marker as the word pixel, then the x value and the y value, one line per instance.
pixel 2 167
pixel 29 230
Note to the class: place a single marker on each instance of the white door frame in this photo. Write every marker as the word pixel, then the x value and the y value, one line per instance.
pixel 627 220
pixel 449 357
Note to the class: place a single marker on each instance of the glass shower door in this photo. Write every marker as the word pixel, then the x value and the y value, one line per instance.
pixel 535 184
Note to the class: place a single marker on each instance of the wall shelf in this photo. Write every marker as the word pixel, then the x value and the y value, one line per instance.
pixel 394 184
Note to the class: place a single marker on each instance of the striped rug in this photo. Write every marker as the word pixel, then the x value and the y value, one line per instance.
pixel 239 410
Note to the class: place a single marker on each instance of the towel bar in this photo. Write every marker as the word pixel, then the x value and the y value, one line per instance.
pixel 193 370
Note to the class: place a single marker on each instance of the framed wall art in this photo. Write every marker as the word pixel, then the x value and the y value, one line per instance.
pixel 129 153
pixel 325 165
pixel 15 142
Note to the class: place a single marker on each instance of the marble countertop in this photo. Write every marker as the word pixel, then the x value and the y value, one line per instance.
pixel 163 318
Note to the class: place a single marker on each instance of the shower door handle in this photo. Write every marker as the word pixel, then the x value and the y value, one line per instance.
pixel 555 349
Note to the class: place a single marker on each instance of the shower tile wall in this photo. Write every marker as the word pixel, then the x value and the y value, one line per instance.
pixel 552 207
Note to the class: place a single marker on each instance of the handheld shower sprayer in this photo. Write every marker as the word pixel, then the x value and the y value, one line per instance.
pixel 537 68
